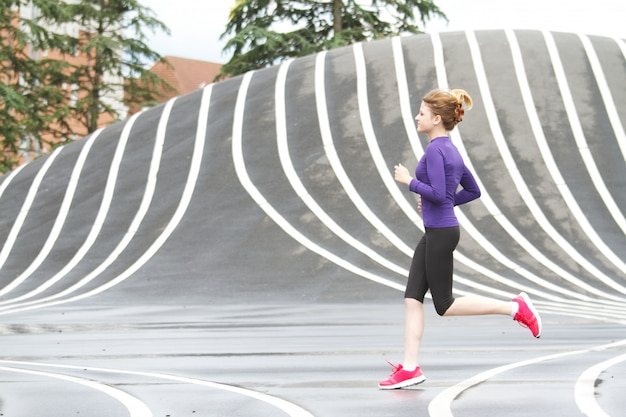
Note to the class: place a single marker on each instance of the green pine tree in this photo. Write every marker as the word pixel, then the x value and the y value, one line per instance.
pixel 313 25
pixel 33 104
pixel 114 40
pixel 39 96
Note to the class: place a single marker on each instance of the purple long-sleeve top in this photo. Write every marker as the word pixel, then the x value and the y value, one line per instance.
pixel 438 175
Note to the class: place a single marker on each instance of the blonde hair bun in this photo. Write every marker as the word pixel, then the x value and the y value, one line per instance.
pixel 449 104
pixel 462 97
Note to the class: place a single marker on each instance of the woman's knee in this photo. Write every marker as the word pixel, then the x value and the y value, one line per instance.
pixel 411 303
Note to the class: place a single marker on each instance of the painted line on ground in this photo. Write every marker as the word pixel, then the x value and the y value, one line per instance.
pixel 289 408
pixel 58 223
pixel 104 205
pixel 135 407
pixel 252 190
pixel 585 153
pixel 440 406
pixel 21 218
pixel 132 229
pixel 585 389
pixel 184 202
pixel 294 180
pixel 518 180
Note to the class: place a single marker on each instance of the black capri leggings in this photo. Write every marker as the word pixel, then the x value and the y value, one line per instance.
pixel 432 266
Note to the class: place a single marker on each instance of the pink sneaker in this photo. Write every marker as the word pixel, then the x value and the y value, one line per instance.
pixel 527 315
pixel 401 378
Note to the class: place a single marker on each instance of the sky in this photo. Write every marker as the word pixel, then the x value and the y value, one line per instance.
pixel 196 25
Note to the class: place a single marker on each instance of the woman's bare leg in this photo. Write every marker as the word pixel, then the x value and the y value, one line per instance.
pixel 413 330
pixel 476 306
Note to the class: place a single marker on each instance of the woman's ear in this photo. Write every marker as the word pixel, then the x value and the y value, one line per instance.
pixel 437 119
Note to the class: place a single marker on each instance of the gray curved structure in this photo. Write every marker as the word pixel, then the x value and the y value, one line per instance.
pixel 268 200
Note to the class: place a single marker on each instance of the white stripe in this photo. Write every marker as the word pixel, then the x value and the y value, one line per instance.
pixel 613 314
pixel 188 190
pixel 135 407
pixel 621 138
pixel 291 409
pixel 605 92
pixel 520 184
pixel 370 137
pixel 590 313
pixel 440 406
pixel 408 118
pixel 553 168
pixel 335 162
pixel 299 188
pixel 585 389
pixel 104 204
pixel 493 209
pixel 9 177
pixel 583 146
pixel 248 185
pixel 26 206
pixel 60 219
pixel 127 237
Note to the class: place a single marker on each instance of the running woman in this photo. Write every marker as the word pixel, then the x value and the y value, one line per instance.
pixel 437 178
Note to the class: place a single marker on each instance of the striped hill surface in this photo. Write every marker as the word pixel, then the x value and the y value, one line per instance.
pixel 277 185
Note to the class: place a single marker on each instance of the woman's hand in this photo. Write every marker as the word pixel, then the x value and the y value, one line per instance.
pixel 419 203
pixel 401 174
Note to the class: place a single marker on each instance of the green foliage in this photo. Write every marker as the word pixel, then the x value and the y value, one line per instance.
pixel 36 91
pixel 313 25
pixel 32 102
pixel 114 41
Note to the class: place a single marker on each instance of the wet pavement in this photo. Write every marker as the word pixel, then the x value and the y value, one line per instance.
pixel 296 360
